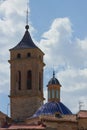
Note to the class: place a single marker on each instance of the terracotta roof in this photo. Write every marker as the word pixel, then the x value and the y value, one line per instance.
pixel 14 127
pixel 82 114
pixel 70 118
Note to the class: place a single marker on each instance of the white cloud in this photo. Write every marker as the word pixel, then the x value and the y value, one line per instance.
pixel 59 45
pixel 74 87
pixel 82 44
pixel 59 35
pixel 73 79
pixel 68 56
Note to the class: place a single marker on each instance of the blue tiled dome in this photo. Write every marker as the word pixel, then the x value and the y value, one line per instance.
pixel 51 108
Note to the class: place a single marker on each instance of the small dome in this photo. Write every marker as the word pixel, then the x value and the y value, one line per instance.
pixel 53 80
pixel 51 108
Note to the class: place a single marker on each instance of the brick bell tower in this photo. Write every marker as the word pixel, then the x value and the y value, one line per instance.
pixel 26 72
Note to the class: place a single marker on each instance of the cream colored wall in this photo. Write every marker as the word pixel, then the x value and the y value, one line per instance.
pixel 55 88
pixel 62 125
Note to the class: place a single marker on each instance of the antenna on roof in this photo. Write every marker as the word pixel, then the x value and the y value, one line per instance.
pixel 27 15
pixel 80 105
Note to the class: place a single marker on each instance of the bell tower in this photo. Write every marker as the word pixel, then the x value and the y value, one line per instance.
pixel 26 72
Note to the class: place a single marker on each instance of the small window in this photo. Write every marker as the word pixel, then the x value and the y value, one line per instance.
pixel 57 94
pixel 19 80
pixel 18 55
pixel 58 115
pixel 53 93
pixel 28 54
pixel 49 94
pixel 29 79
pixel 39 81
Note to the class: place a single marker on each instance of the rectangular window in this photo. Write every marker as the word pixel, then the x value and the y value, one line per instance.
pixel 57 95
pixel 39 81
pixel 19 80
pixel 18 55
pixel 53 94
pixel 29 79
pixel 49 94
pixel 28 55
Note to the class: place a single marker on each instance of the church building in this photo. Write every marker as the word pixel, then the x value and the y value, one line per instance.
pixel 26 94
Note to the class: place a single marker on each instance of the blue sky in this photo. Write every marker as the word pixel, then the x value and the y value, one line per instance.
pixel 43 13
pixel 58 27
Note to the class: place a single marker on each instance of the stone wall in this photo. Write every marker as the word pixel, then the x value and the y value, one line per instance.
pixel 22 108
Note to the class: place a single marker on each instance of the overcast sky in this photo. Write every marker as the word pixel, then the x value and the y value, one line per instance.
pixel 59 28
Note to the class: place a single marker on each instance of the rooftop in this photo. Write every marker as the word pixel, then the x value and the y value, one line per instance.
pixel 16 127
pixel 51 108
pixel 82 114
pixel 26 41
pixel 71 118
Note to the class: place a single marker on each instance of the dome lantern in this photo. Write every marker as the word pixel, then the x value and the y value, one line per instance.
pixel 53 89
